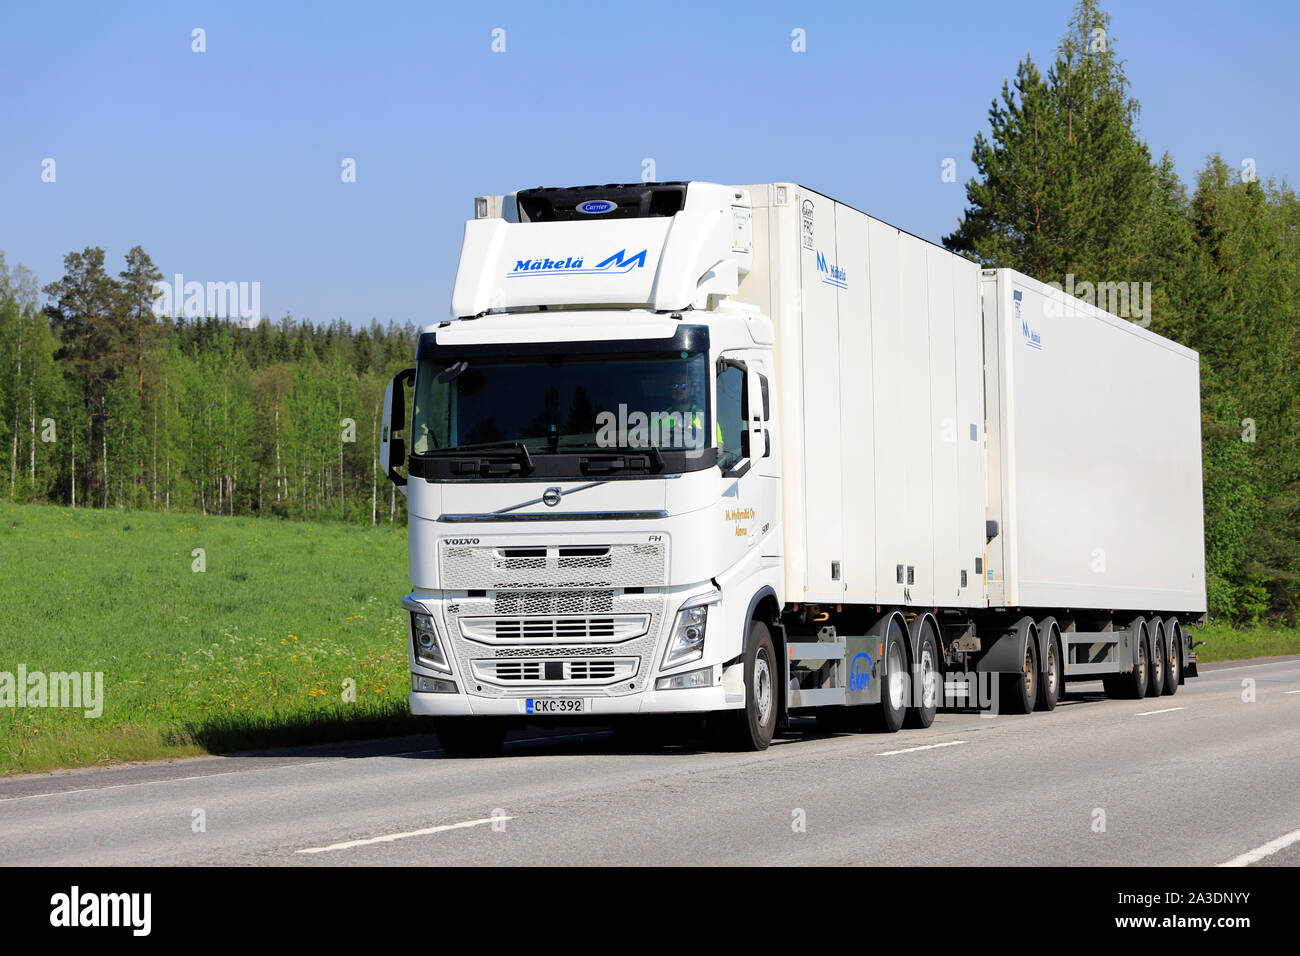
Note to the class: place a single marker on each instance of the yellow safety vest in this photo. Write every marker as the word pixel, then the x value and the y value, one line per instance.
pixel 698 423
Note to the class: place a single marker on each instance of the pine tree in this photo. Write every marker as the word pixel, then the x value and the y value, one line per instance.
pixel 1065 184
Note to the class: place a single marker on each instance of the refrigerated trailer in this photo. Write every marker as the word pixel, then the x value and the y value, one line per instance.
pixel 747 452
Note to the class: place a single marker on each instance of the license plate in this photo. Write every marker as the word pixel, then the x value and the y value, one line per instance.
pixel 555 705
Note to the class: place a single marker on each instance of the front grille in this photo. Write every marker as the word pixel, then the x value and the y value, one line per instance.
pixel 553 602
pixel 546 650
pixel 551 672
pixel 610 628
pixel 579 567
pixel 574 637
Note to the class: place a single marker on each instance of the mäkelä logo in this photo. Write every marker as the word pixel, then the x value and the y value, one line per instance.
pixel 831 273
pixel 620 263
pixel 1027 332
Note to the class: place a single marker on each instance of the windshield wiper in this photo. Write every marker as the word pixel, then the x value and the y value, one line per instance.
pixel 505 444
pixel 651 450
pixel 474 455
pixel 523 450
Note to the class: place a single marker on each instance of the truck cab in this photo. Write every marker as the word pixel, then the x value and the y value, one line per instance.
pixel 592 471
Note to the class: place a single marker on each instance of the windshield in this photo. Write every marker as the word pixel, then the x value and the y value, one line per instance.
pixel 560 403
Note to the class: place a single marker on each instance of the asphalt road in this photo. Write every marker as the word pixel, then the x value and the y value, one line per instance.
pixel 1201 778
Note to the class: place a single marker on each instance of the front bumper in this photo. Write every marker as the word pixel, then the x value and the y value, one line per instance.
pixel 690 700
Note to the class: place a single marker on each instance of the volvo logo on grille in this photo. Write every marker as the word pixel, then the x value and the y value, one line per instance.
pixel 551 497
pixel 456 541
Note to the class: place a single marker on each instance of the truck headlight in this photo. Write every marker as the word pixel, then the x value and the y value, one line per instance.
pixel 697 678
pixel 428 648
pixel 422 684
pixel 686 643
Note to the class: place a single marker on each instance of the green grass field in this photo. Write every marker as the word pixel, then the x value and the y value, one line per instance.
pixel 253 651
pixel 256 650
pixel 1223 643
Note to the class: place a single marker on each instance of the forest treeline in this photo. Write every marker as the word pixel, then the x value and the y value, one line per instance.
pixel 102 404
pixel 106 405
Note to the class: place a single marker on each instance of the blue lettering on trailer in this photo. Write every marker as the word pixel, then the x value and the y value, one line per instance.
pixel 831 273
pixel 1032 338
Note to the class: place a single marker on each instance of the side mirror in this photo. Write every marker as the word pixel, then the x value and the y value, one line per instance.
pixel 392 450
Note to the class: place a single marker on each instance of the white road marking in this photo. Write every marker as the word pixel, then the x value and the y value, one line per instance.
pixel 1285 692
pixel 390 837
pixel 912 750
pixel 1268 849
pixel 1167 710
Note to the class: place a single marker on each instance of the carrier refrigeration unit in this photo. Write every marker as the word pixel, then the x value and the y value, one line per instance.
pixel 747 452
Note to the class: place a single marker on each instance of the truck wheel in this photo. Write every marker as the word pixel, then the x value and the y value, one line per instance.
pixel 1049 688
pixel 1173 667
pixel 1156 670
pixel 927 680
pixel 470 736
pixel 887 716
pixel 752 727
pixel 1021 690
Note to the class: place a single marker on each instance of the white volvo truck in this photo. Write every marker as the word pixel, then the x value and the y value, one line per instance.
pixel 745 451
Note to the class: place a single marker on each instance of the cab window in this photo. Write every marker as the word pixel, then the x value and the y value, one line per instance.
pixel 733 416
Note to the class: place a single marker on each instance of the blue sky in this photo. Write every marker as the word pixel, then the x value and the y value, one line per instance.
pixel 225 165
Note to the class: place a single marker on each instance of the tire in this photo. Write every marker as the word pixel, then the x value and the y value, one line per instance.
pixel 1174 662
pixel 1050 684
pixel 887 716
pixel 470 736
pixel 1156 670
pixel 1019 691
pixel 1133 685
pixel 752 727
pixel 927 681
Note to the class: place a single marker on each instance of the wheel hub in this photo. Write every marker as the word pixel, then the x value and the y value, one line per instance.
pixel 762 689
pixel 897 678
pixel 929 679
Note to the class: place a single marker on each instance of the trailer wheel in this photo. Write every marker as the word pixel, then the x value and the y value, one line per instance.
pixel 1156 670
pixel 1133 685
pixel 752 727
pixel 1174 668
pixel 1049 688
pixel 926 681
pixel 887 716
pixel 1021 690
pixel 470 736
